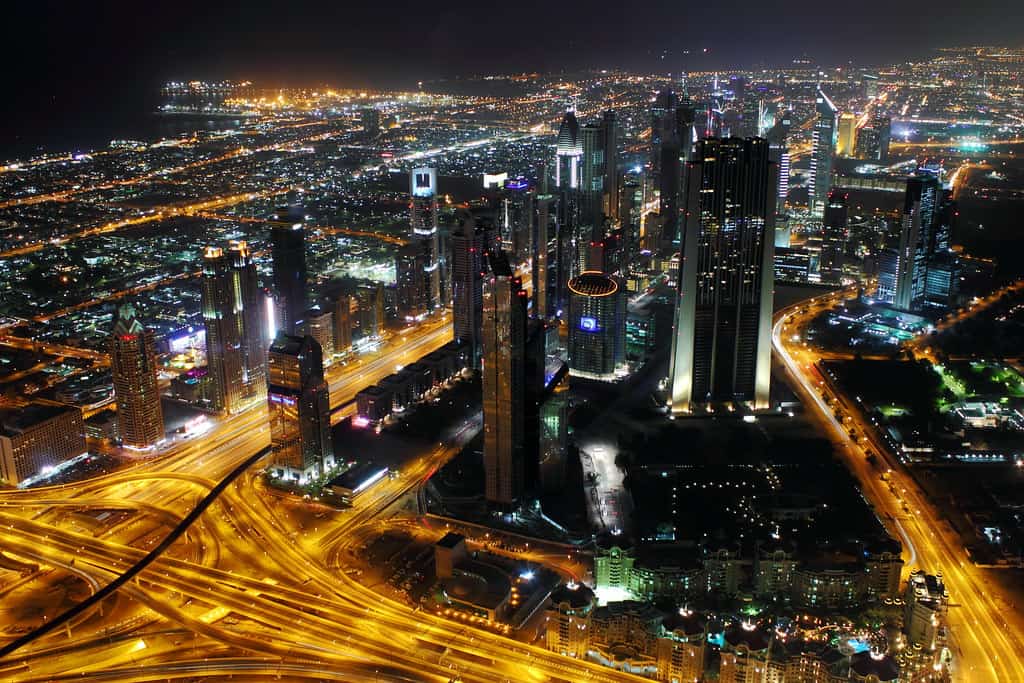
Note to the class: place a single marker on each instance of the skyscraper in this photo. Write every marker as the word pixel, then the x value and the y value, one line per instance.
pixel 591 181
pixel 423 218
pixel 412 286
pixel 504 368
pixel 846 134
pixel 597 325
pixel 822 148
pixel 300 415
pixel 611 183
pixel 873 139
pixel 515 219
pixel 568 180
pixel 467 284
pixel 319 324
pixel 288 251
pixel 917 226
pixel 833 238
pixel 371 310
pixel 140 417
pixel 233 315
pixel 721 346
pixel 666 142
pixel 342 323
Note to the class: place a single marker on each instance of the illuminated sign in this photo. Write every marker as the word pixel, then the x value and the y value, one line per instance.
pixel 517 184
pixel 588 324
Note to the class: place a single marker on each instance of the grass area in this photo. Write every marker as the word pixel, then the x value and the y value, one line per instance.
pixel 892 410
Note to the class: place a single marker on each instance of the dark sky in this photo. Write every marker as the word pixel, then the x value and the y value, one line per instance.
pixel 74 59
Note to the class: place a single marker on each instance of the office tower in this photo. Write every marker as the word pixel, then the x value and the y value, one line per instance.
pixel 945 221
pixel 611 183
pixel 300 414
pixel 342 323
pixel 423 217
pixel 721 346
pixel 467 284
pixel 253 300
pixel 664 108
pixel 319 324
pixel 846 134
pixel 412 288
pixel 534 362
pixel 370 299
pixel 888 275
pixel 371 122
pixel 568 169
pixel 942 285
pixel 597 326
pixel 37 437
pixel 916 236
pixel 592 171
pixel 777 137
pixel 140 418
pixel 833 239
pixel 504 374
pixel 873 139
pixel 515 219
pixel 666 143
pixel 288 251
pixel 822 148
pixel 233 316
pixel 870 85
pixel 544 251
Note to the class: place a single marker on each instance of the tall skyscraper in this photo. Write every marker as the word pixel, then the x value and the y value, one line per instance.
pixel 467 284
pixel 371 310
pixel 822 148
pixel 666 142
pixel 342 323
pixel 515 219
pixel 140 418
pixel 544 255
pixel 504 368
pixel 833 239
pixel 319 324
pixel 612 181
pixel 916 240
pixel 721 346
pixel 412 285
pixel 873 139
pixel 233 315
pixel 846 134
pixel 597 325
pixel 300 415
pixel 288 251
pixel 945 221
pixel 591 181
pixel 423 217
pixel 568 181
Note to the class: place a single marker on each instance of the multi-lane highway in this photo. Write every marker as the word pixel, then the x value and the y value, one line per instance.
pixel 987 636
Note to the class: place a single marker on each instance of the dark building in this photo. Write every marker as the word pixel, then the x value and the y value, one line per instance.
pixel 917 238
pixel 873 139
pixel 610 131
pixel 300 414
pixel 342 323
pixel 467 265
pixel 835 227
pixel 133 367
pixel 370 298
pixel 411 286
pixel 721 347
pixel 504 375
pixel 288 251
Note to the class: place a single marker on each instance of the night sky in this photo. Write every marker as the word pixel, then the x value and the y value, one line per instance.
pixel 71 62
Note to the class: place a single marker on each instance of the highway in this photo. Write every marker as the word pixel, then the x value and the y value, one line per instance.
pixel 987 636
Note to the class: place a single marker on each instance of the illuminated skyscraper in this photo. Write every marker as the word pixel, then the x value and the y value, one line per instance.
pixel 371 310
pixel 254 319
pixel 423 217
pixel 140 418
pixel 515 219
pixel 300 415
pixel 504 398
pixel 916 239
pixel 288 251
pixel 721 346
pixel 412 284
pixel 667 144
pixel 846 134
pixel 568 181
pixel 822 148
pixel 873 139
pixel 568 153
pixel 833 239
pixel 611 183
pixel 467 284
pixel 597 325
pixel 342 323
pixel 319 324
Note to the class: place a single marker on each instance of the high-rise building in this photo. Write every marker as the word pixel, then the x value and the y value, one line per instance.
pixel 666 143
pixel 342 323
pixel 612 182
pixel 319 324
pixel 873 139
pixel 945 220
pixel 233 316
pixel 288 251
pixel 140 417
pixel 777 137
pixel 423 217
pixel 545 249
pixel 942 285
pixel 721 346
pixel 371 122
pixel 504 368
pixel 467 284
pixel 300 415
pixel 822 148
pixel 370 298
pixel 846 134
pixel 515 219
pixel 597 325
pixel 592 172
pixel 568 182
pixel 888 275
pixel 36 437
pixel 916 238
pixel 833 239
pixel 412 287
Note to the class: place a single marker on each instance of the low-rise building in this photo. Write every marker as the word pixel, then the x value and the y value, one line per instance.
pixel 36 437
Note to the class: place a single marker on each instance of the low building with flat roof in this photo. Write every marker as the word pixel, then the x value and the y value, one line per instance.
pixel 36 437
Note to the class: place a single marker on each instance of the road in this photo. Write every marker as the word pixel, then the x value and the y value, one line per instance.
pixel 987 636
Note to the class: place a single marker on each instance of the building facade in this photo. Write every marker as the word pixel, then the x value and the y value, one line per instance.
pixel 134 370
